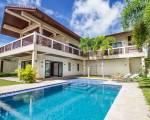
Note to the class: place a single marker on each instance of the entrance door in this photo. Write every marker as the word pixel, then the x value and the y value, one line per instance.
pixel 57 69
pixel 47 69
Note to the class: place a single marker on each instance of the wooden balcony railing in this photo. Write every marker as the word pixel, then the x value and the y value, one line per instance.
pixel 24 41
pixel 38 39
pixel 117 51
pixel 51 43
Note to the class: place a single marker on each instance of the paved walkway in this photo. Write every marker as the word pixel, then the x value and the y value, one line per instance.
pixel 129 105
pixel 10 79
pixel 18 87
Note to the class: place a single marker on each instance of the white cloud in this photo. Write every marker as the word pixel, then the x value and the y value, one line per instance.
pixel 95 17
pixel 25 2
pixel 54 13
pixel 48 11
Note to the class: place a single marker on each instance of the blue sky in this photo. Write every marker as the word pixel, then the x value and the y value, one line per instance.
pixel 85 17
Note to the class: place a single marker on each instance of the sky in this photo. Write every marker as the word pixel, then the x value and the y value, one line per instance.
pixel 84 17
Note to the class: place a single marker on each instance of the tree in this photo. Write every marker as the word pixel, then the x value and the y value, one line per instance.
pixel 99 43
pixel 135 16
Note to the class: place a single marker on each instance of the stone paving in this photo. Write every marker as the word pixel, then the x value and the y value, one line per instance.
pixel 129 105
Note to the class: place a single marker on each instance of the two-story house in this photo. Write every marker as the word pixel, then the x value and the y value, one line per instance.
pixel 53 50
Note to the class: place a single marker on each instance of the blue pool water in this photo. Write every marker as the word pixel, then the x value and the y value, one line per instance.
pixel 76 100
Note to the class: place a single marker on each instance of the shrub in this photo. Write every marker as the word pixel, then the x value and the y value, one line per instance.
pixel 11 74
pixel 27 75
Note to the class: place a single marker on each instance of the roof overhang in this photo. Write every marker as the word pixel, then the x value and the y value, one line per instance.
pixel 120 33
pixel 16 22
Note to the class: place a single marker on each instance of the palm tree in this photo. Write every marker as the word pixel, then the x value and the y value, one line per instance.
pixel 99 43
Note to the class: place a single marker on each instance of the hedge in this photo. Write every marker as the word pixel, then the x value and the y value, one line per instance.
pixel 11 74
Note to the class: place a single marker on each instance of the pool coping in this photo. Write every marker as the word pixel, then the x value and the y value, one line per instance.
pixel 30 89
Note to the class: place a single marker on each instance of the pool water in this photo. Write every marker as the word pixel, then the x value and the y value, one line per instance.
pixel 73 101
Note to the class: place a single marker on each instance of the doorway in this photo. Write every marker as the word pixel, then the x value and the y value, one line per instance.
pixel 53 69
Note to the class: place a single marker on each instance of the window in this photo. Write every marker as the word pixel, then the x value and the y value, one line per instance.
pixel 78 67
pixel 72 45
pixel 25 63
pixel 130 40
pixel 117 44
pixel 69 66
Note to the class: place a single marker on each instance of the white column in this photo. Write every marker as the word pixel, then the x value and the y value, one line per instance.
pixel 143 64
pixel 41 30
pixel 34 59
pixel 88 71
pixel 84 67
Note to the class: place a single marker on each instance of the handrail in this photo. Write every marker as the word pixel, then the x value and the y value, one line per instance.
pixel 20 41
pixel 121 47
pixel 120 50
pixel 57 41
pixel 17 39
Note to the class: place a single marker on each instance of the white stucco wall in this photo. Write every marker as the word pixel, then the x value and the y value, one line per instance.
pixel 41 65
pixel 111 67
pixel 9 66
pixel 135 65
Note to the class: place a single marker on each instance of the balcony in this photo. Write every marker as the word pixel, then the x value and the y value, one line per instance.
pixel 40 43
pixel 120 52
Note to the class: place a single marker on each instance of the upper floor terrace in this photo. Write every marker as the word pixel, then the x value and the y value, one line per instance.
pixel 41 44
pixel 120 52
pixel 46 45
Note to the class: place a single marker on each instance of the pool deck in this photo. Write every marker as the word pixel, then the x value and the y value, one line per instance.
pixel 129 104
pixel 13 88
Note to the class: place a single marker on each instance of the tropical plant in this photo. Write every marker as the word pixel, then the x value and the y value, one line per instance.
pixel 27 75
pixel 99 43
pixel 136 16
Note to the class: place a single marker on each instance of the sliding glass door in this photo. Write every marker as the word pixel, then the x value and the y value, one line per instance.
pixel 53 68
pixel 47 69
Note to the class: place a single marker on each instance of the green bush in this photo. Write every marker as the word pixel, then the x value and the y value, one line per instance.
pixel 12 74
pixel 27 75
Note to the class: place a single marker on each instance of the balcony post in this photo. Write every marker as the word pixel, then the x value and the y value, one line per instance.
pixel 108 51
pixel 12 45
pixel 52 44
pixel 79 52
pixel 34 37
pixel 124 50
pixel 21 42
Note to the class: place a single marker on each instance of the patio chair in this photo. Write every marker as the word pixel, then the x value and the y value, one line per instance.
pixel 132 77
pixel 126 77
pixel 117 77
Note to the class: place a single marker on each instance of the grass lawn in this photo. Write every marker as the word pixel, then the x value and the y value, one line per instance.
pixel 144 84
pixel 7 83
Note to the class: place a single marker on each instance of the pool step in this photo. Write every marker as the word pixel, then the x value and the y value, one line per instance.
pixel 78 89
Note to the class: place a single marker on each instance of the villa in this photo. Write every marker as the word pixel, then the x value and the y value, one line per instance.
pixel 54 50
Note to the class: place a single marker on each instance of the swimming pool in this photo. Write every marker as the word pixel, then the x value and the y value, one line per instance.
pixel 78 99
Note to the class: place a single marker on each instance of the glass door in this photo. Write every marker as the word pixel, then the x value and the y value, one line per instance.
pixel 60 72
pixel 47 69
